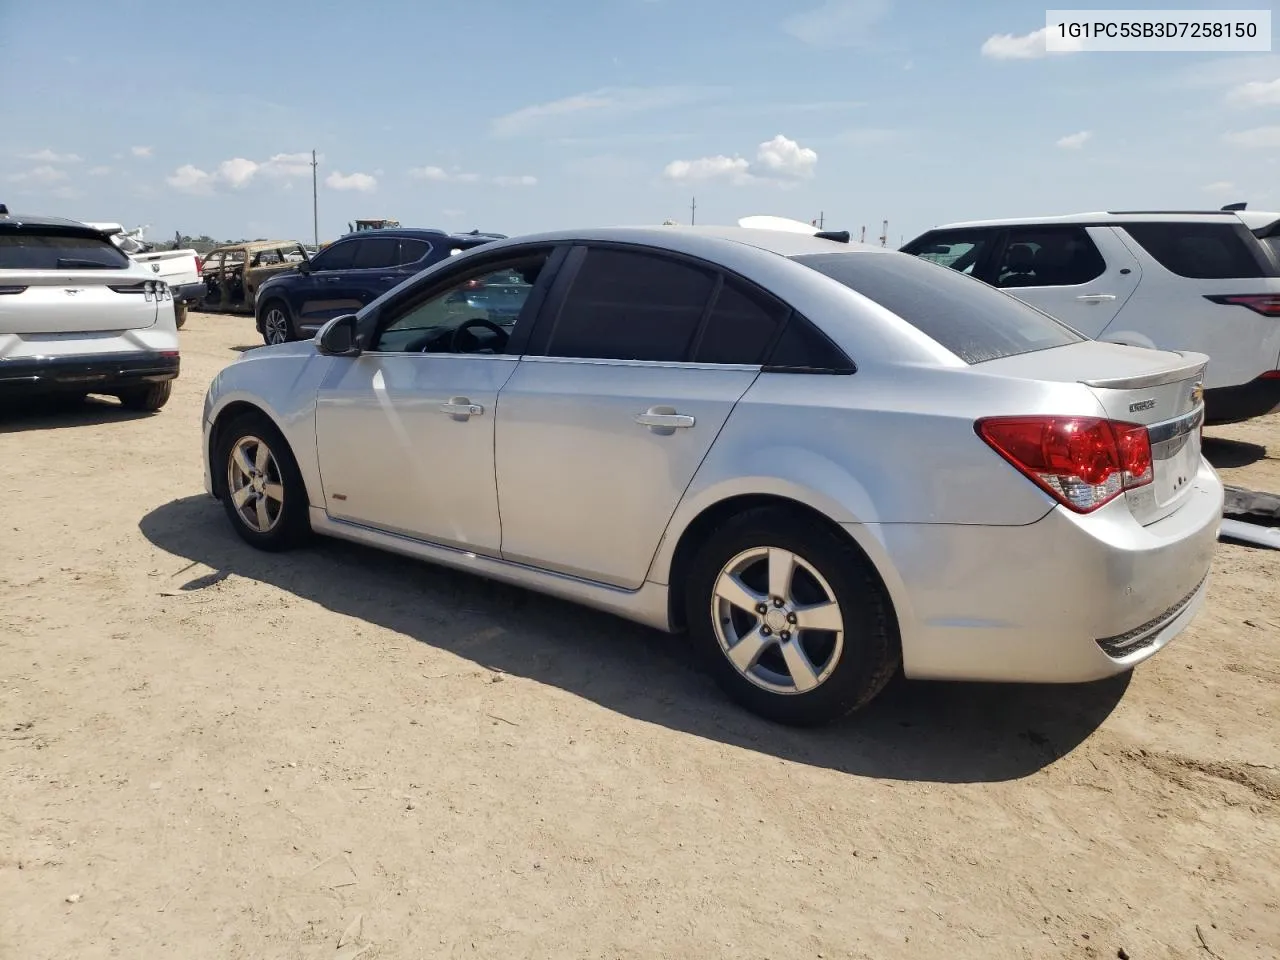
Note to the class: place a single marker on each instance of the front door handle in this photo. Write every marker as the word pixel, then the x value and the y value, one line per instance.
pixel 664 420
pixel 460 408
pixel 1096 297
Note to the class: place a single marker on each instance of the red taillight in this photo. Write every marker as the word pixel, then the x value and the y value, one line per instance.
pixel 1270 375
pixel 1267 304
pixel 1082 462
pixel 199 266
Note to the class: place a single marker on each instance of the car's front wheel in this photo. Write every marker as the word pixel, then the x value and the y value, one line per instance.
pixel 277 325
pixel 790 617
pixel 262 488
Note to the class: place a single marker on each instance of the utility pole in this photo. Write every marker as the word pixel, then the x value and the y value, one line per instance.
pixel 863 237
pixel 822 219
pixel 884 234
pixel 693 211
pixel 315 202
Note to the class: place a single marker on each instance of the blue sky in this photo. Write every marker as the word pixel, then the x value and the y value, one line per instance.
pixel 515 116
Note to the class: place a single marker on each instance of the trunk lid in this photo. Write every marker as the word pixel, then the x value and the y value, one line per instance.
pixel 67 302
pixel 1158 389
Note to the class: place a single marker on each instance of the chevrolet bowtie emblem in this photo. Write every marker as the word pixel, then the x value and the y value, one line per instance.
pixel 1197 394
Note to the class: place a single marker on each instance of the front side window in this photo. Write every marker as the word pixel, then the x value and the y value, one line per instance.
pixel 474 314
pixel 27 250
pixel 961 250
pixel 1061 257
pixel 626 305
pixel 337 257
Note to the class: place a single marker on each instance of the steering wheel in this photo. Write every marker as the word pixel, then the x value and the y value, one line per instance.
pixel 465 327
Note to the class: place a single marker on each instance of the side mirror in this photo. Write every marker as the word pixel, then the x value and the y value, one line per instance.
pixel 339 337
pixel 304 266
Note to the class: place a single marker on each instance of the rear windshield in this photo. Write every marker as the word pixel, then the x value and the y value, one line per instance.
pixel 974 321
pixel 52 251
pixel 1204 251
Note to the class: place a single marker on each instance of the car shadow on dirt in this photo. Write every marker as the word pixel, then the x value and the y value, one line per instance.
pixel 56 413
pixel 954 733
pixel 1226 454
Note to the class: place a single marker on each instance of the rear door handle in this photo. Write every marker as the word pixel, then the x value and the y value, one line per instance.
pixel 460 408
pixel 664 420
pixel 1096 297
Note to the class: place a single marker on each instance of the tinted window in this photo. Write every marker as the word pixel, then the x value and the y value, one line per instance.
pixel 958 249
pixel 803 347
pixel 411 251
pixel 1049 258
pixel 742 325
pixel 336 257
pixel 631 306
pixel 376 252
pixel 974 321
pixel 49 251
pixel 1202 251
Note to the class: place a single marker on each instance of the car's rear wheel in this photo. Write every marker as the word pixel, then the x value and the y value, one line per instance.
pixel 179 314
pixel 277 325
pixel 147 399
pixel 791 618
pixel 262 488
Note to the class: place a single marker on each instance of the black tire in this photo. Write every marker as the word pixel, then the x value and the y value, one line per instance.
pixel 179 315
pixel 856 664
pixel 148 399
pixel 276 317
pixel 292 525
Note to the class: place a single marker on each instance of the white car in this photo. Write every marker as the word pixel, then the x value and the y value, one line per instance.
pixel 77 316
pixel 823 459
pixel 1178 281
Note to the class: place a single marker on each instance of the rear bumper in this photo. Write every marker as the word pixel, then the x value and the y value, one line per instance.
pixel 1257 398
pixel 86 373
pixel 188 292
pixel 1066 599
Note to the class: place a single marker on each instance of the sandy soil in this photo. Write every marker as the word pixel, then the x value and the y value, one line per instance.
pixel 209 752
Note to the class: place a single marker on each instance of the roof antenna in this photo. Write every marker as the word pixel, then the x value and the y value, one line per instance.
pixel 1235 206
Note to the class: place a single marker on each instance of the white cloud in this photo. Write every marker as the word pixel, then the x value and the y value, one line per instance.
pixel 609 101
pixel 1259 137
pixel 441 175
pixel 1074 141
pixel 1256 93
pixel 838 23
pixel 1228 70
pixel 48 156
pixel 237 171
pixel 191 179
pixel 42 174
pixel 1029 46
pixel 1220 186
pixel 361 182
pixel 521 181
pixel 283 165
pixel 780 160
pixel 143 152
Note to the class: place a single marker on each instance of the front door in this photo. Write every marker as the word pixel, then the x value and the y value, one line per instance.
pixel 598 438
pixel 405 430
pixel 322 292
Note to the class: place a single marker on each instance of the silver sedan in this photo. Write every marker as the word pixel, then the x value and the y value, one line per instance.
pixel 827 462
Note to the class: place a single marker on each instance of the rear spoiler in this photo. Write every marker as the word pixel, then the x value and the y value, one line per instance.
pixel 1264 232
pixel 1193 368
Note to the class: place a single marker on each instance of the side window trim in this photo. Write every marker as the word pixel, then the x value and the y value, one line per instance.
pixel 373 322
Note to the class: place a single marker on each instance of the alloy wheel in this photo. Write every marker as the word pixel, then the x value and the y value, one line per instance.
pixel 255 484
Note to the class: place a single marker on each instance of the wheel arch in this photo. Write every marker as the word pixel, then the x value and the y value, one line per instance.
pixel 260 307
pixel 225 415
pixel 696 532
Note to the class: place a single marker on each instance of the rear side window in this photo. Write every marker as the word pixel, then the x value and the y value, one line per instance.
pixel 1203 251
pixel 411 251
pixel 53 251
pixel 631 306
pixel 742 325
pixel 376 252
pixel 974 321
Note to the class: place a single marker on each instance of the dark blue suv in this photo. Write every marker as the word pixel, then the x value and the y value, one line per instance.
pixel 348 274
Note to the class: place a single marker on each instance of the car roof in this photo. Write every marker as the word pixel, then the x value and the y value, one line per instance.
pixel 24 221
pixel 423 233
pixel 707 241
pixel 1101 217
pixel 256 245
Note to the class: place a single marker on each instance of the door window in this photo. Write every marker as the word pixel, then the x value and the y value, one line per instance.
pixel 625 305
pixel 960 250
pixel 411 251
pixel 476 313
pixel 337 257
pixel 1062 257
pixel 741 327
pixel 376 252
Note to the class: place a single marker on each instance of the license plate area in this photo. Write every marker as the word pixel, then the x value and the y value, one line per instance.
pixel 1175 456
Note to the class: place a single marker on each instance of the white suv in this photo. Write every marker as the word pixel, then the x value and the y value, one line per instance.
pixel 1203 282
pixel 77 316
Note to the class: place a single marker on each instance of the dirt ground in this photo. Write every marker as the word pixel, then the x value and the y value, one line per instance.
pixel 207 752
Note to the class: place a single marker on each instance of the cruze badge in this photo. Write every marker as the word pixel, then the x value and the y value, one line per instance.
pixel 1141 405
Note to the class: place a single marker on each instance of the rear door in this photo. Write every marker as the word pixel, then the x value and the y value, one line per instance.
pixel 1081 275
pixel 54 283
pixel 612 410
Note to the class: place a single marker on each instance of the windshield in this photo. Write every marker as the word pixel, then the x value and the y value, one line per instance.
pixel 974 321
